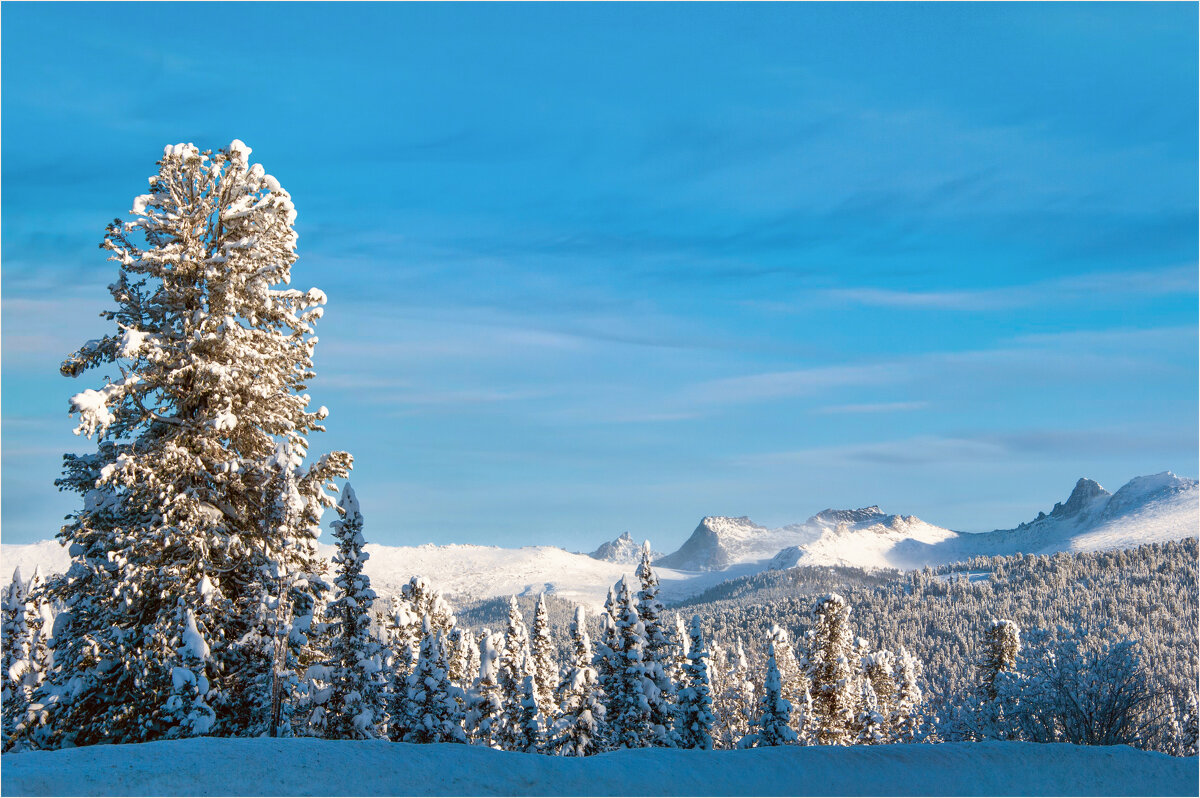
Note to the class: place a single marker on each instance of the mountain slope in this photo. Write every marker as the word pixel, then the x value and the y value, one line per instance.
pixel 1148 509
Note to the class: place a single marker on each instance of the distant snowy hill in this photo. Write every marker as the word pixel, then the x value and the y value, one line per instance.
pixel 719 542
pixel 622 550
pixel 1146 510
pixel 307 766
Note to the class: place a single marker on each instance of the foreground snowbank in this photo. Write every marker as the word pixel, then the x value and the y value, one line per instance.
pixel 319 767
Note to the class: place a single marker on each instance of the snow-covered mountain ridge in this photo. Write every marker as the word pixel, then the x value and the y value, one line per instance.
pixel 1146 510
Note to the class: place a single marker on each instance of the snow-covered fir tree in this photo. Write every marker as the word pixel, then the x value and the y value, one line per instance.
pixel 679 656
pixel 432 709
pixel 794 683
pixel 463 652
pixel 516 662
pixel 606 661
pixel 772 726
pixel 357 682
pixel 485 712
pixel 870 722
pixel 418 601
pixel 627 708
pixel 15 648
pixel 579 730
pixel 907 720
pixel 999 655
pixel 530 734
pixel 1002 645
pixel 879 671
pixel 830 654
pixel 545 667
pixel 209 358
pixel 694 710
pixel 659 654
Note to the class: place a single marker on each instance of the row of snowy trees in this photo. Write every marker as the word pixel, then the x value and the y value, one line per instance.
pixel 1086 616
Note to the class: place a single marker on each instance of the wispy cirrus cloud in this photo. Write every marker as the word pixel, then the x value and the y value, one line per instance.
pixel 1073 288
pixel 876 407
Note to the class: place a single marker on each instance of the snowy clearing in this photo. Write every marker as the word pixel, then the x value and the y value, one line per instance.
pixel 319 767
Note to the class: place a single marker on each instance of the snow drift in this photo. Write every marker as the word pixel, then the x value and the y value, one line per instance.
pixel 265 766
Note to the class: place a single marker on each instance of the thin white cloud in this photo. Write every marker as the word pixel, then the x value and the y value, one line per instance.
pixel 879 407
pixel 1073 288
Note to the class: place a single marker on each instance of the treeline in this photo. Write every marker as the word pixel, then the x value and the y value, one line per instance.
pixel 1090 601
pixel 413 674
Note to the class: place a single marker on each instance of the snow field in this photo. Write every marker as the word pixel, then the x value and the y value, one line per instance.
pixel 264 766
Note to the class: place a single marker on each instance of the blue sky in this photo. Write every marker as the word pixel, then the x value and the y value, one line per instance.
pixel 596 268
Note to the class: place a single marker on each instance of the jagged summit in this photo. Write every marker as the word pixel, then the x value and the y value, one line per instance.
pixel 859 516
pixel 1080 499
pixel 622 550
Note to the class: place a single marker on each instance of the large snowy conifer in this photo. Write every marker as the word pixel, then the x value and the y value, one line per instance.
pixel 177 536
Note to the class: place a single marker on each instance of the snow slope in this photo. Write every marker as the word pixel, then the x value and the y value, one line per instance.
pixel 264 766
pixel 462 572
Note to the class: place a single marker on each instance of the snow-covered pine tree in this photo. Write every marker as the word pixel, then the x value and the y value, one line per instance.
pixel 720 678
pixel 530 737
pixel 607 663
pixel 794 682
pixel 694 710
pixel 680 654
pixel 14 649
pixel 870 721
pixel 879 671
pixel 743 695
pixel 628 708
pixel 357 682
pixel 658 656
pixel 433 714
pixel 831 671
pixel 464 658
pixel 545 667
pixel 580 727
pixel 418 600
pixel 772 726
pixel 907 710
pixel 1001 646
pixel 516 662
pixel 485 704
pixel 211 360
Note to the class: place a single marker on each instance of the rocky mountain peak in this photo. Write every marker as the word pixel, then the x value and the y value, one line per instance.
pixel 1085 491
